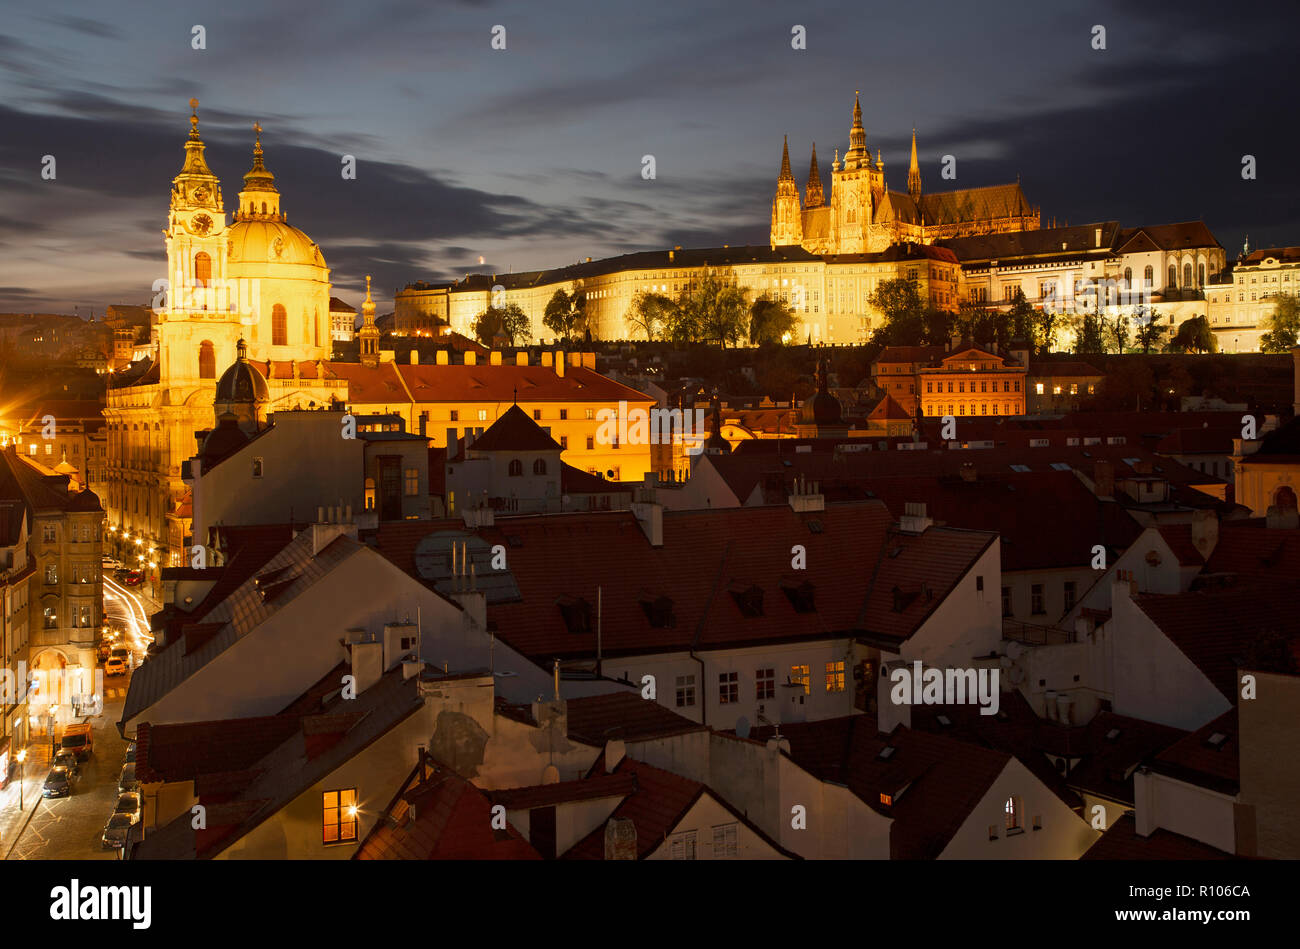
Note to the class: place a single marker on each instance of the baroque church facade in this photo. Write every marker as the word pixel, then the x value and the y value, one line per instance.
pixel 864 216
pixel 256 281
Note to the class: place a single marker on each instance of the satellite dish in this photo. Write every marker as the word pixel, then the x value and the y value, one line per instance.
pixel 742 727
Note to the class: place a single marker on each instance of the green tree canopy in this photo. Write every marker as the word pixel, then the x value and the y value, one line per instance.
pixel 509 322
pixel 1194 336
pixel 770 321
pixel 711 308
pixel 651 313
pixel 1283 325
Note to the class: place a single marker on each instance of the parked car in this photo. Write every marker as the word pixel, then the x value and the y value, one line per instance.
pixel 110 563
pixel 59 782
pixel 126 780
pixel 120 573
pixel 132 578
pixel 121 652
pixel 67 758
pixel 116 666
pixel 129 804
pixel 116 831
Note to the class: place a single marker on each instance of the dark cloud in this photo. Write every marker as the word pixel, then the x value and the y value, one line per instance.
pixel 84 25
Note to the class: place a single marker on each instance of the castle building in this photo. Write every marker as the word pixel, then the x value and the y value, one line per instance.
pixel 865 216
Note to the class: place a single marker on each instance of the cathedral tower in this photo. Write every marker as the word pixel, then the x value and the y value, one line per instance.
pixel 914 174
pixel 856 187
pixel 198 328
pixel 814 197
pixel 787 215
pixel 368 335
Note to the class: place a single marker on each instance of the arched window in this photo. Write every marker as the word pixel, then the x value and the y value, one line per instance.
pixel 1200 275
pixel 1149 276
pixel 1128 277
pixel 1187 275
pixel 1284 498
pixel 263 207
pixel 1173 277
pixel 315 327
pixel 516 469
pixel 279 326
pixel 202 269
pixel 539 466
pixel 207 360
pixel 306 327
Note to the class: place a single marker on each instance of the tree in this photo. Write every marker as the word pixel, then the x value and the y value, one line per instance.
pixel 508 321
pixel 1283 325
pixel 770 321
pixel 711 307
pixel 651 313
pixel 565 315
pixel 1147 329
pixel 1088 336
pixel 899 302
pixel 1021 319
pixel 1044 326
pixel 1119 331
pixel 1193 336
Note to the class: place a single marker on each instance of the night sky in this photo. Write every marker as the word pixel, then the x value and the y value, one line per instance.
pixel 531 157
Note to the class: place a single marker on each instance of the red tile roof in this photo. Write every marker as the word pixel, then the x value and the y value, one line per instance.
pixel 856 560
pixel 182 752
pixel 1121 841
pixel 934 781
pixel 888 409
pixel 443 817
pixel 378 386
pixel 505 384
pixel 1249 548
pixel 618 785
pixel 595 719
pixel 1197 760
pixel 1195 623
pixel 514 431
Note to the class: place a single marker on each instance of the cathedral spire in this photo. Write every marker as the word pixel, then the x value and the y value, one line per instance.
pixel 196 185
pixel 786 173
pixel 815 198
pixel 260 199
pixel 914 173
pixel 368 335
pixel 857 135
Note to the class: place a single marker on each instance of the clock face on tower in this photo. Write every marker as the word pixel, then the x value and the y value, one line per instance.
pixel 201 224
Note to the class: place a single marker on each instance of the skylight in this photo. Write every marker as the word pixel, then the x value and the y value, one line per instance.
pixel 886 753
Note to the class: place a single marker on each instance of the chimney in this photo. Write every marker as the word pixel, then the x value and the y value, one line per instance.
pixel 415 357
pixel 1205 532
pixel 367 663
pixel 967 471
pixel 1098 237
pixel 471 357
pixel 1103 479
pixel 494 358
pixel 650 516
pixel 620 839
pixel 521 358
pixel 559 364
pixel 547 359
pixel 914 519
pixel 442 358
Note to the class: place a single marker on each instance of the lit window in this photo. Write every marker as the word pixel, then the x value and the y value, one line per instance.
pixel 412 482
pixel 339 817
pixel 1012 809
pixel 482 415
pixel 1038 388
pixel 802 675
pixel 835 676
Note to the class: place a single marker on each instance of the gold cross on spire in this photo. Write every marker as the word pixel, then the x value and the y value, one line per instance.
pixel 194 115
pixel 257 130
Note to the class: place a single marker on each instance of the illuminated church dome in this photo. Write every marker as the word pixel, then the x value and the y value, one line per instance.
pixel 242 391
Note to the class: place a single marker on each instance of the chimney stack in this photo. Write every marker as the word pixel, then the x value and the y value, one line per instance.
pixel 442 357
pixel 559 364
pixel 471 357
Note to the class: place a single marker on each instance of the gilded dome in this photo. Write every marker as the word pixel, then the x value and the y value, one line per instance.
pixel 257 242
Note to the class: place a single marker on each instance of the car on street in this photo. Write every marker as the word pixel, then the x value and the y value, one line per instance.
pixel 126 780
pixel 116 666
pixel 67 759
pixel 79 738
pixel 110 563
pixel 121 652
pixel 120 573
pixel 129 804
pixel 59 782
pixel 116 831
pixel 132 578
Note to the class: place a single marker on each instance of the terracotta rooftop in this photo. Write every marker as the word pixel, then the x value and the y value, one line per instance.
pixel 595 719
pixel 1208 757
pixel 1121 841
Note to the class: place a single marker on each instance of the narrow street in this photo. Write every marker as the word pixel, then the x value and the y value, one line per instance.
pixel 70 827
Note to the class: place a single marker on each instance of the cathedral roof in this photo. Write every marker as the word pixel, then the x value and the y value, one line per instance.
pixel 274 242
pixel 242 382
pixel 971 204
pixel 1045 242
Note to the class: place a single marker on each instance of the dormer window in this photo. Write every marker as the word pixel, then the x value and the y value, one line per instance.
pixel 801 596
pixel 749 599
pixel 577 614
pixel 659 611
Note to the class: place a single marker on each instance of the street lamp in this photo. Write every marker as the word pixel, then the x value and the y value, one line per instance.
pixel 22 756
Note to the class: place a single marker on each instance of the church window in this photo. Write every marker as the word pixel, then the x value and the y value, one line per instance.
pixel 207 360
pixel 1200 275
pixel 279 326
pixel 539 466
pixel 1128 276
pixel 1187 275
pixel 1149 275
pixel 516 468
pixel 202 269
pixel 1173 276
